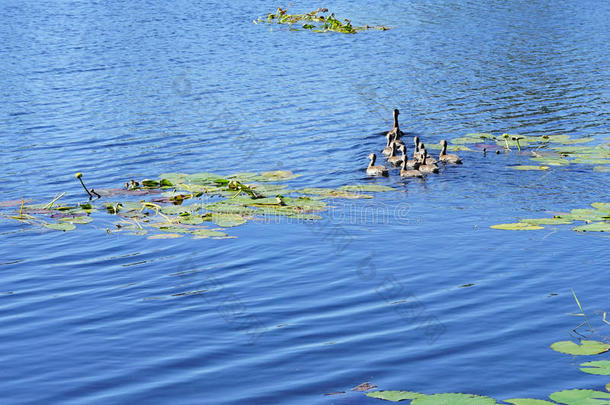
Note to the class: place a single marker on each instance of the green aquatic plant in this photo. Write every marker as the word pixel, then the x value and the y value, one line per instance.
pixel 597 220
pixel 600 367
pixel 178 204
pixel 583 348
pixel 317 21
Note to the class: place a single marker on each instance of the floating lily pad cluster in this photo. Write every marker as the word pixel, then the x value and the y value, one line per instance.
pixel 546 150
pixel 597 219
pixel 317 21
pixel 200 205
pixel 567 397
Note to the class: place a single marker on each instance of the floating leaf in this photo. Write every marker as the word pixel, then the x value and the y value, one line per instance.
pixel 594 227
pixel 277 175
pixel 81 219
pixel 581 397
pixel 545 221
pixel 528 401
pixel 600 367
pixel 367 188
pixel 601 206
pixel 529 167
pixel 228 220
pixel 207 233
pixel 191 219
pixel 518 226
pixel 179 209
pixel 453 399
pixel 165 236
pixel 205 179
pixel 585 348
pixel 394 396
pixel 603 169
pixel 551 161
pixel 60 226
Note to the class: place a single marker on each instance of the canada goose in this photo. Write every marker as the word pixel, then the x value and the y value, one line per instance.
pixel 426 167
pixel 410 162
pixel 422 152
pixel 388 148
pixel 373 170
pixel 393 158
pixel 448 158
pixel 416 150
pixel 396 128
pixel 404 172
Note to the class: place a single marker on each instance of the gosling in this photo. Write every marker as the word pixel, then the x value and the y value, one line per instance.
pixel 448 157
pixel 373 170
pixel 404 172
pixel 426 167
pixel 393 158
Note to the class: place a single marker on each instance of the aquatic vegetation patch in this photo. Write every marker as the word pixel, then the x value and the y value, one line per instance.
pixel 317 21
pixel 600 367
pixel 200 205
pixel 546 150
pixel 585 348
pixel 567 397
pixel 596 220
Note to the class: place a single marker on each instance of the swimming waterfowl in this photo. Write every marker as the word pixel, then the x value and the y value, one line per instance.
pixel 416 150
pixel 404 172
pixel 393 158
pixel 448 157
pixel 426 167
pixel 422 147
pixel 387 151
pixel 396 128
pixel 373 170
pixel 410 162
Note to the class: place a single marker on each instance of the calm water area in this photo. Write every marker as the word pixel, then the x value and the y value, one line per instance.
pixel 409 290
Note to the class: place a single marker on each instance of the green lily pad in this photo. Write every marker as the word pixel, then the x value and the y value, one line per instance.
pixel 528 401
pixel 205 179
pixel 603 169
pixel 60 226
pixel 580 214
pixel 518 226
pixel 566 140
pixel 600 367
pixel 453 399
pixel 82 219
pixel 228 220
pixel 591 161
pixel 546 221
pixel 601 206
pixel 179 209
pixel 394 396
pixel 585 348
pixel 594 227
pixel 471 138
pixel 363 188
pixel 277 175
pixel 581 397
pixel 191 219
pixel 207 233
pixel 165 236
pixel 529 167
pixel 551 161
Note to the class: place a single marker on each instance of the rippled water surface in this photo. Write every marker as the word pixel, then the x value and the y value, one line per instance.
pixel 371 292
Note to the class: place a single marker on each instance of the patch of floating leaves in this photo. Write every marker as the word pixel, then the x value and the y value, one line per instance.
pixel 546 150
pixel 567 397
pixel 317 21
pixel 174 205
pixel 596 220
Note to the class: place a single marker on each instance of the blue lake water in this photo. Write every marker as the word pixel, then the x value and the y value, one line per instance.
pixel 369 293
